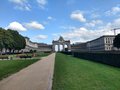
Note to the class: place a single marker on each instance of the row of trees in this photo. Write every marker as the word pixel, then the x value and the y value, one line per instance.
pixel 11 40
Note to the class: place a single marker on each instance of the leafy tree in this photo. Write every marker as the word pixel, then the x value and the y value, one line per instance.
pixel 116 42
pixel 12 40
pixel 6 40
pixel 1 39
pixel 19 40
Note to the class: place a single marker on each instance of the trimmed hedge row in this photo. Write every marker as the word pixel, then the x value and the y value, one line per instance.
pixel 112 59
pixel 25 57
pixel 4 57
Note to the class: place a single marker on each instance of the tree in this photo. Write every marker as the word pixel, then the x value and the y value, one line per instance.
pixel 19 40
pixel 8 40
pixel 11 40
pixel 116 41
pixel 1 39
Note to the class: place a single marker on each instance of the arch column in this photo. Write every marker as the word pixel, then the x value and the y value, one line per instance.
pixel 63 47
pixel 53 47
pixel 69 46
pixel 58 47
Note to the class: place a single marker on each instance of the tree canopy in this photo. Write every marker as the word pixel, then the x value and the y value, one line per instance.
pixel 116 42
pixel 11 39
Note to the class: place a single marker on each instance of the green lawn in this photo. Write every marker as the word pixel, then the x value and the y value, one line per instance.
pixel 8 67
pixel 77 74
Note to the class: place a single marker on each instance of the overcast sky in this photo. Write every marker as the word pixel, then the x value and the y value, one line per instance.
pixel 45 20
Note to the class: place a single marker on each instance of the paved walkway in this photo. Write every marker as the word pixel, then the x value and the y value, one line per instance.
pixel 37 76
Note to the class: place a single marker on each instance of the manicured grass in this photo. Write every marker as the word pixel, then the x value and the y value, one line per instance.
pixel 76 74
pixel 8 67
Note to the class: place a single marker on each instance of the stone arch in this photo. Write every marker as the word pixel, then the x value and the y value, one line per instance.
pixel 56 47
pixel 61 44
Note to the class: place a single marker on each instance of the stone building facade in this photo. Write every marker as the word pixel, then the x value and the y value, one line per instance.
pixel 42 47
pixel 30 45
pixel 79 47
pixel 103 43
pixel 39 47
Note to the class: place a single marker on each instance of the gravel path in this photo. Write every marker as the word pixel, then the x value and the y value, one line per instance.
pixel 37 76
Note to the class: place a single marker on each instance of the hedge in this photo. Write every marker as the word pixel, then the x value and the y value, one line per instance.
pixel 4 57
pixel 112 59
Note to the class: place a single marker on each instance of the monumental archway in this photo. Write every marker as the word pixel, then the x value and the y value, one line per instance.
pixel 62 42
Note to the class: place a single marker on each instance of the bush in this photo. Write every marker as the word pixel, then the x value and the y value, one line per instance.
pixel 4 57
pixel 24 56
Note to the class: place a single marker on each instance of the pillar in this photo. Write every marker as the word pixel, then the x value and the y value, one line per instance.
pixel 69 47
pixel 53 47
pixel 63 47
pixel 58 47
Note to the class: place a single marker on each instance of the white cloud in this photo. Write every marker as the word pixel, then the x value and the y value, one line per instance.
pixel 114 10
pixel 41 37
pixel 77 15
pixel 34 25
pixel 95 15
pixel 93 23
pixel 16 26
pixel 115 24
pixel 42 3
pixel 21 4
pixel 83 34
pixel 117 21
pixel 68 27
pixel 50 18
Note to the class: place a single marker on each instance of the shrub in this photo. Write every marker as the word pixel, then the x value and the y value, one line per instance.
pixel 4 57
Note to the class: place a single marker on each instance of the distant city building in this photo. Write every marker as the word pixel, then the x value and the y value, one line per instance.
pixel 30 45
pixel 42 47
pixel 79 47
pixel 103 43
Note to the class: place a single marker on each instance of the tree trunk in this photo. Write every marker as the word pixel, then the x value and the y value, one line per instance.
pixel 1 51
pixel 13 51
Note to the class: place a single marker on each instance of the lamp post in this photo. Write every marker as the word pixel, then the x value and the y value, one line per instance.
pixel 115 30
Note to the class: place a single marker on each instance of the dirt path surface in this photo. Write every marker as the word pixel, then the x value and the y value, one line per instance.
pixel 37 76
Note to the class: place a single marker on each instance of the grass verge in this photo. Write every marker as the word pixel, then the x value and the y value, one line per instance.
pixel 8 67
pixel 77 74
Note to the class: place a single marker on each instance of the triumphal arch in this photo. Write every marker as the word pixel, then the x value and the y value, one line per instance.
pixel 61 42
